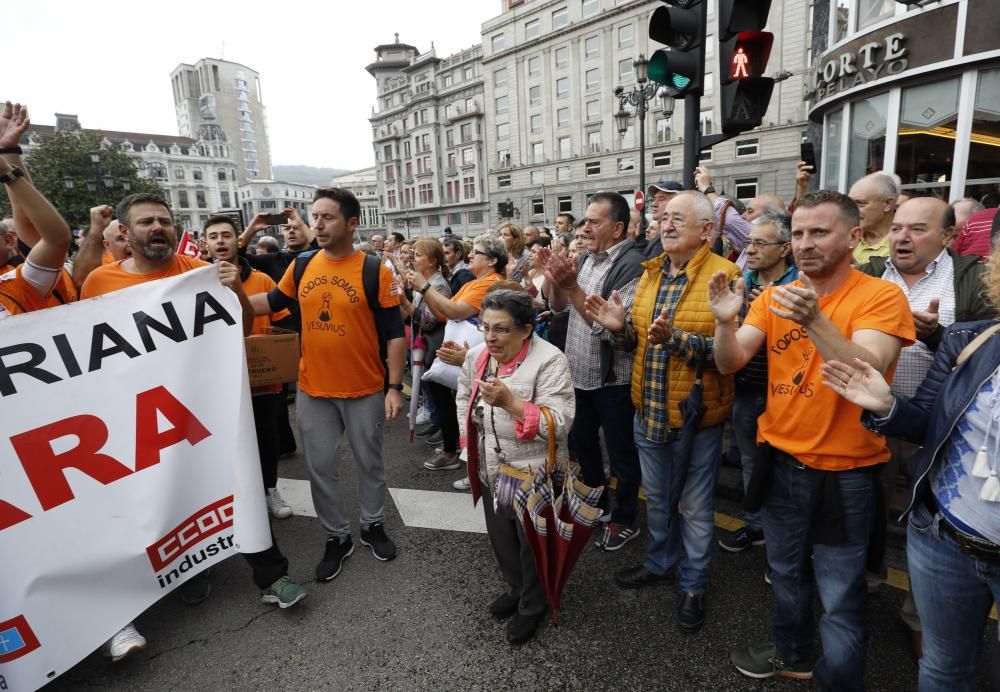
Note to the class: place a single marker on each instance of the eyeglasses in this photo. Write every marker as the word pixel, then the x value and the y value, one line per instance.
pixel 496 329
pixel 765 243
pixel 480 252
pixel 678 220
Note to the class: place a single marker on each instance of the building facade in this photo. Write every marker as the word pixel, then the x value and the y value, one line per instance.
pixel 364 184
pixel 216 100
pixel 550 68
pixel 274 196
pixel 198 176
pixel 429 135
pixel 914 90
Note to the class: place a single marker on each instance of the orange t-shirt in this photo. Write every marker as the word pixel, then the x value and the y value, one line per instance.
pixel 107 258
pixel 804 418
pixel 111 277
pixel 340 349
pixel 474 291
pixel 18 296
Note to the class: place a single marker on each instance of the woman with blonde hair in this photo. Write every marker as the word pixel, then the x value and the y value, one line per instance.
pixel 517 256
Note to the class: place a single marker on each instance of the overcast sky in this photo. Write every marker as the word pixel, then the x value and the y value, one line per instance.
pixel 109 62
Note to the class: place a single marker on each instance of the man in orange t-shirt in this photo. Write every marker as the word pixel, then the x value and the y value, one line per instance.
pixel 341 374
pixel 819 492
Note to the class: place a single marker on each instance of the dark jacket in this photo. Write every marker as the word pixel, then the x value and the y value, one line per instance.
pixel 627 267
pixel 940 402
pixel 970 303
pixel 274 264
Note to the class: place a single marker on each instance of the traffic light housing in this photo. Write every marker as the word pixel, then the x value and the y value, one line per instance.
pixel 744 49
pixel 681 25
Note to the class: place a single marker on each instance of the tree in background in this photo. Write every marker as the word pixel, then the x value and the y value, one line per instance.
pixel 75 172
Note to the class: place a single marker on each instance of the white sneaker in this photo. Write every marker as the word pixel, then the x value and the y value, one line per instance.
pixel 126 642
pixel 276 505
pixel 463 455
pixel 462 484
pixel 423 416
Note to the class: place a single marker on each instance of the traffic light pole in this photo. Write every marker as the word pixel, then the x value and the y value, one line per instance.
pixel 694 140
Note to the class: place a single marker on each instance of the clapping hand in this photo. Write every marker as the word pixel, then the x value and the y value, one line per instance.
pixel 610 314
pixel 659 331
pixel 559 271
pixel 801 302
pixel 453 354
pixel 14 123
pixel 724 303
pixel 926 321
pixel 859 383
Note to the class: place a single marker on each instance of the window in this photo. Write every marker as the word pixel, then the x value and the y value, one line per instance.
pixel 538 207
pixel 158 171
pixel 537 177
pixel 534 66
pixel 451 162
pixel 498 42
pixel 426 192
pixel 560 18
pixel 593 168
pixel 466 132
pixel 503 158
pixel 178 173
pixel 705 156
pixel 626 36
pixel 564 148
pixel 537 152
pixel 590 7
pixel 225 198
pixel 565 204
pixel 562 56
pixel 662 130
pixel 867 146
pixel 924 156
pixel 500 105
pixel 387 152
pixel 469 187
pixel 594 142
pixel 503 131
pixel 709 84
pixel 449 138
pixel 434 220
pixel 406 149
pixel 532 29
pixel 661 159
pixel 872 11
pixel 562 87
pixel 592 47
pixel 468 156
pixel 182 199
pixel 500 76
pixel 626 163
pixel 746 188
pixel 454 219
pixel 446 81
pixel 562 173
pixel 706 122
pixel 468 72
pixel 592 78
pixel 503 181
pixel 536 123
pixel 747 147
pixel 534 95
pixel 562 117
pixel 475 217
pixel 984 155
pixel 593 110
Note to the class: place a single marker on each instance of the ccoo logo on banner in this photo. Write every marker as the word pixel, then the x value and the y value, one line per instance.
pixel 128 463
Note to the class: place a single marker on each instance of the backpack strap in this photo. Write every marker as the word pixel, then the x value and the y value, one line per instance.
pixel 370 280
pixel 974 345
pixel 301 262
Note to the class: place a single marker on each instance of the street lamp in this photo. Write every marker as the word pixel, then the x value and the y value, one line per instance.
pixel 639 97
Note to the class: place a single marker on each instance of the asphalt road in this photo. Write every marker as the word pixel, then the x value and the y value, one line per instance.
pixel 421 621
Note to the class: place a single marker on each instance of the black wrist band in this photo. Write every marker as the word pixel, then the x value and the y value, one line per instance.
pixel 11 150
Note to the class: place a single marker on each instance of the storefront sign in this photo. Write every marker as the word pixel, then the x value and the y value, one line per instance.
pixel 871 61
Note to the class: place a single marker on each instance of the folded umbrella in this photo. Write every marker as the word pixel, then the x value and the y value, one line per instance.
pixel 417 369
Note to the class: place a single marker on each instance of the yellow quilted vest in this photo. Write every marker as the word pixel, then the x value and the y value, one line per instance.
pixel 692 315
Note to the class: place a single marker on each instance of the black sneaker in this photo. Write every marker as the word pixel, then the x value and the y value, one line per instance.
pixel 503 606
pixel 333 558
pixel 435 439
pixel 426 430
pixel 382 546
pixel 741 540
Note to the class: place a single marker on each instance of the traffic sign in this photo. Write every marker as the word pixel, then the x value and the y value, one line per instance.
pixel 640 200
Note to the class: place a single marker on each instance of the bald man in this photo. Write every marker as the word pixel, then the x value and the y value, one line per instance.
pixel 763 203
pixel 116 245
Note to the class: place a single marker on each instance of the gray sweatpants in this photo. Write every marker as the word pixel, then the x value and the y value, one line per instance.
pixel 322 422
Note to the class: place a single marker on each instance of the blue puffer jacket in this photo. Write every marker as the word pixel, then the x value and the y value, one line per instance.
pixel 931 415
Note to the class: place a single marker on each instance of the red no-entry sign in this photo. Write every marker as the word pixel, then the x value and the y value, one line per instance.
pixel 640 200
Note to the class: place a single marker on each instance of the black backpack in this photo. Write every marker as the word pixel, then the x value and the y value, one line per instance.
pixel 369 281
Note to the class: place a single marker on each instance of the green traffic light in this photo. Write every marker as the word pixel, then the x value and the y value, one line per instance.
pixel 679 81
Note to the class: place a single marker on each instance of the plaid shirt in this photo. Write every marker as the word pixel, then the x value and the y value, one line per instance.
pixel 583 342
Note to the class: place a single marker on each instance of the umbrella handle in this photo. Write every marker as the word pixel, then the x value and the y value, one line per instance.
pixel 550 462
pixel 555 617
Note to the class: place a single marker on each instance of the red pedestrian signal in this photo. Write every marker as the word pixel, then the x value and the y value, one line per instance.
pixel 744 50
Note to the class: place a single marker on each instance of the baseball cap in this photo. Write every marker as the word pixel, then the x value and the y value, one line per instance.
pixel 671 186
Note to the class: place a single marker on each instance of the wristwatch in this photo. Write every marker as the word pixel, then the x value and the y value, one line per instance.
pixel 708 190
pixel 397 387
pixel 423 290
pixel 14 174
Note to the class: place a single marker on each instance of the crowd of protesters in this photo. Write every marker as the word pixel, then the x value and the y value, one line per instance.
pixel 842 341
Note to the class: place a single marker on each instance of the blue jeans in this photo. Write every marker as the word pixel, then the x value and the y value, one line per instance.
pixel 667 531
pixel 747 408
pixel 839 571
pixel 954 593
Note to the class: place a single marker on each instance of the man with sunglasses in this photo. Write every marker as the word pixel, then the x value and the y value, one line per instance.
pixel 769 263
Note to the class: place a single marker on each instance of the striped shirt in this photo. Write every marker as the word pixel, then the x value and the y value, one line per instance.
pixel 583 342
pixel 938 282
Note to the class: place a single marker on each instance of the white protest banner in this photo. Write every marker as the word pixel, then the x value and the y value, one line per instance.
pixel 127 451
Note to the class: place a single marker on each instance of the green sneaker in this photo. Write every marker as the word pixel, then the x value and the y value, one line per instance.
pixel 284 592
pixel 760 660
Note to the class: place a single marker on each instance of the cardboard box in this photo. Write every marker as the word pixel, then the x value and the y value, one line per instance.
pixel 273 358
